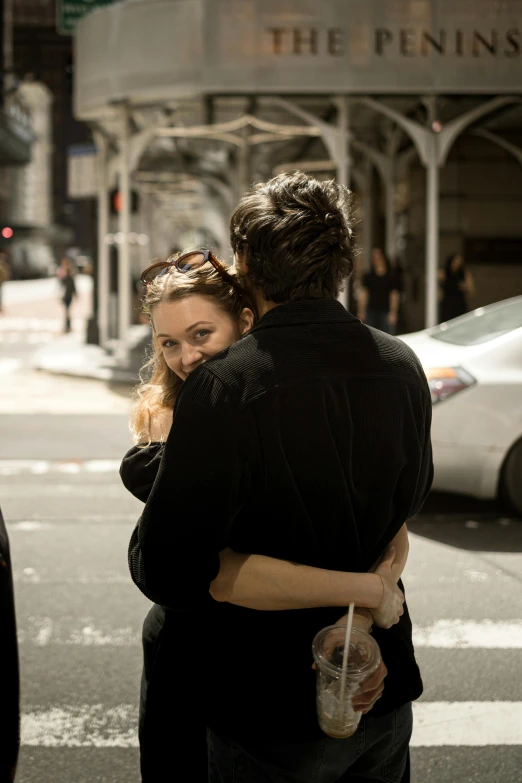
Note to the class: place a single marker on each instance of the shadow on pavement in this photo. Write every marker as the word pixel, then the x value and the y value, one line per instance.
pixel 449 505
pixel 468 523
pixel 123 389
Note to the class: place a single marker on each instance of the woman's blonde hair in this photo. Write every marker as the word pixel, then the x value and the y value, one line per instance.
pixel 159 385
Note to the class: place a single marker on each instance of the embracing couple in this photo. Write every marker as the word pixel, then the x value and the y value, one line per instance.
pixel 281 446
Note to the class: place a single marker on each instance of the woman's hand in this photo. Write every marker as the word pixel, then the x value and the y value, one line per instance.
pixel 391 607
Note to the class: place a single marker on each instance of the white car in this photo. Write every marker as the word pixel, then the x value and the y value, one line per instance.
pixel 474 369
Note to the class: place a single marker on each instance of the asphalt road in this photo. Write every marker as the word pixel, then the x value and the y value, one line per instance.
pixel 79 616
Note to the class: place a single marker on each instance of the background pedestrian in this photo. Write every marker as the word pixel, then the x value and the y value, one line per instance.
pixel 5 274
pixel 65 275
pixel 456 284
pixel 379 298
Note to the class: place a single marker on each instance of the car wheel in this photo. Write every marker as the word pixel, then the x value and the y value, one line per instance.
pixel 511 478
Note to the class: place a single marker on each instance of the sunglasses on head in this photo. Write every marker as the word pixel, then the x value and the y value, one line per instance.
pixel 188 262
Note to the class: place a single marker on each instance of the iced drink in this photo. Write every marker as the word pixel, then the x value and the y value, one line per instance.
pixel 334 708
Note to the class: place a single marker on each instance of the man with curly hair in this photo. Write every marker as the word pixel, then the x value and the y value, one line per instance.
pixel 308 440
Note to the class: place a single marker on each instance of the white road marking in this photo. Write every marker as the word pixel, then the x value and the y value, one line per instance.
pixel 13 329
pixel 78 491
pixel 90 636
pixel 446 634
pixel 43 631
pixel 29 525
pixel 476 576
pixel 102 465
pixel 461 634
pixel 85 726
pixel 8 366
pixel 16 291
pixel 86 519
pixel 30 576
pixel 17 467
pixel 469 723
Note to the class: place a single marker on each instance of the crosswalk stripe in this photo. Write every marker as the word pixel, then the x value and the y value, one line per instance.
pixel 43 630
pixel 9 365
pixel 81 727
pixel 31 338
pixel 28 324
pixel 460 634
pixel 436 724
pixel 77 491
pixel 41 467
pixel 471 723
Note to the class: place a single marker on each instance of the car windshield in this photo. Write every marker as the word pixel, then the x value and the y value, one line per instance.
pixel 481 325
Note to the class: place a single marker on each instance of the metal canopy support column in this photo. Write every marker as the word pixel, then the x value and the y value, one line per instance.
pixel 363 178
pixel 243 169
pixel 432 231
pixel 124 272
pixel 388 165
pixel 103 230
pixel 390 185
pixel 506 145
pixel 342 159
pixel 342 155
pixel 433 143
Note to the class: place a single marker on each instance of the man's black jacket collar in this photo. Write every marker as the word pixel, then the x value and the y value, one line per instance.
pixel 305 311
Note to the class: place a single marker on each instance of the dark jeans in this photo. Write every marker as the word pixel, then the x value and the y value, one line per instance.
pixel 172 723
pixel 377 752
pixel 379 320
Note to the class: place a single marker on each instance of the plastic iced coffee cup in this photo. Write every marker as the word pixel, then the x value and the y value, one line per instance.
pixel 335 712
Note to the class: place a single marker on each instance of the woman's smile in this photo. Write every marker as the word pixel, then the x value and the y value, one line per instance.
pixel 191 331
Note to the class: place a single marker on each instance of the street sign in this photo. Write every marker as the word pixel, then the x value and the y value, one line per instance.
pixel 69 13
pixel 82 179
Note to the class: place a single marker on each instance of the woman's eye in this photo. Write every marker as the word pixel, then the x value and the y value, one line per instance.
pixel 202 333
pixel 168 344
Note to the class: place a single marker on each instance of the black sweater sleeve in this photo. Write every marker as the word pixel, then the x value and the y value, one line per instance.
pixel 139 469
pixel 174 549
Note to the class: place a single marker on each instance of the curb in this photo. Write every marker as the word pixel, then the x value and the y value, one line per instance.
pixel 70 355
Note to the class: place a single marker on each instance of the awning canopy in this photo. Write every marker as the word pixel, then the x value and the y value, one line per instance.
pixel 150 51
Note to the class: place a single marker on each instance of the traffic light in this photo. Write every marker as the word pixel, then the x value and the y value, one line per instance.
pixel 117 199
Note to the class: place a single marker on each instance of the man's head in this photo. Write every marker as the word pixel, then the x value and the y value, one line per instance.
pixel 292 236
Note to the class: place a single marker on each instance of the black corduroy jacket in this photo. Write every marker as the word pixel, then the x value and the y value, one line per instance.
pixel 308 440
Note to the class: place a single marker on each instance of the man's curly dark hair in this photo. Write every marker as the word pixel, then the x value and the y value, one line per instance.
pixel 295 234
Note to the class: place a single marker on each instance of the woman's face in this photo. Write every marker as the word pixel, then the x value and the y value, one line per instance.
pixel 457 263
pixel 194 329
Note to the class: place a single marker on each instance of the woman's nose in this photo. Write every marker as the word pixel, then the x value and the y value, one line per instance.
pixel 190 356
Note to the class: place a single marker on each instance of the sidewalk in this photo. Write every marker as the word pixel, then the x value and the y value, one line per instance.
pixel 34 306
pixel 69 354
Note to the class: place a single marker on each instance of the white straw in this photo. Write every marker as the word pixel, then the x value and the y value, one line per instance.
pixel 346 652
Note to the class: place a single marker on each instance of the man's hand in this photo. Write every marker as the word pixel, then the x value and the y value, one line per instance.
pixel 391 607
pixel 370 690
